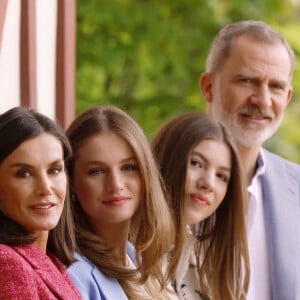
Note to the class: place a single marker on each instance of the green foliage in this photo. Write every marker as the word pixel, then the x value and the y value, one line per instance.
pixel 146 56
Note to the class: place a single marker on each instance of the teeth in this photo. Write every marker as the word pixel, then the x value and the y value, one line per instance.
pixel 43 207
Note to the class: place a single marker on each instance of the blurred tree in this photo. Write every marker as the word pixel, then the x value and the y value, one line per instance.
pixel 146 56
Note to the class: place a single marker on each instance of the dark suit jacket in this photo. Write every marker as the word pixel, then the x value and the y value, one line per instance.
pixel 281 190
pixel 26 273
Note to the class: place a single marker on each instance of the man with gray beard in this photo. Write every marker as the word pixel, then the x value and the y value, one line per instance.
pixel 247 86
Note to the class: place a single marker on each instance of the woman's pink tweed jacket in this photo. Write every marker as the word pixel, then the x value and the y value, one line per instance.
pixel 26 273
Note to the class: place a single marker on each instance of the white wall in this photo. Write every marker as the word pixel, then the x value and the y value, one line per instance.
pixel 46 45
pixel 45 49
pixel 9 58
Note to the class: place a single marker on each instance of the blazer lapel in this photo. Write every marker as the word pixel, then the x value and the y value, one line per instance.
pixel 110 287
pixel 50 270
pixel 282 212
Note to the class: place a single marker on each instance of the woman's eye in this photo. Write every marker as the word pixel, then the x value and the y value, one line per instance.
pixel 130 168
pixel 223 177
pixel 23 174
pixel 196 163
pixel 95 171
pixel 55 170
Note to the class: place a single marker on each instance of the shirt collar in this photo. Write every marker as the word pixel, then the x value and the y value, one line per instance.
pixel 260 164
pixel 259 171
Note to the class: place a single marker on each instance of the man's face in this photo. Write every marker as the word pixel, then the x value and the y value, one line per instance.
pixel 250 91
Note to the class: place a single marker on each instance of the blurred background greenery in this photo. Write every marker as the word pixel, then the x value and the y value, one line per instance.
pixel 146 56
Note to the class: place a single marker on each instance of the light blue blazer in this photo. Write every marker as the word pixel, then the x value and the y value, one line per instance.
pixel 92 283
pixel 281 189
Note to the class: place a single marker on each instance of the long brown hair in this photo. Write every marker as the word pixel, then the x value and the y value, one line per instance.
pixel 151 226
pixel 222 249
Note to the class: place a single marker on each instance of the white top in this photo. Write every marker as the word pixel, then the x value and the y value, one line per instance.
pixel 260 284
pixel 151 289
pixel 186 275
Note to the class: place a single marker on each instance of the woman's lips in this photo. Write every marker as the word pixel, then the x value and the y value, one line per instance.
pixel 115 201
pixel 203 201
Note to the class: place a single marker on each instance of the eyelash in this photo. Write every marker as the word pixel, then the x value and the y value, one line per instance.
pixel 273 86
pixel 223 177
pixel 51 171
pixel 22 174
pixel 56 170
pixel 277 87
pixel 196 163
pixel 128 168
pixel 246 80
pixel 95 171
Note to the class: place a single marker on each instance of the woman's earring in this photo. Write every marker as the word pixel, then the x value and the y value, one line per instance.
pixel 73 197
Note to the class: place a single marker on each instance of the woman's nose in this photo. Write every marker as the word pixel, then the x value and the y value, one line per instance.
pixel 207 181
pixel 115 182
pixel 44 185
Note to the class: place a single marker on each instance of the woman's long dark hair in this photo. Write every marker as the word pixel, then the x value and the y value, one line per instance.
pixel 222 249
pixel 18 125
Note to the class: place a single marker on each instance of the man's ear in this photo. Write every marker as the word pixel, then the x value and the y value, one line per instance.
pixel 205 85
pixel 289 95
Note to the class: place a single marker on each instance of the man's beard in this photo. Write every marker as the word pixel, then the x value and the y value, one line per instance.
pixel 246 133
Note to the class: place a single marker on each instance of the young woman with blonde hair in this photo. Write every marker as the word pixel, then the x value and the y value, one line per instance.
pixel 123 224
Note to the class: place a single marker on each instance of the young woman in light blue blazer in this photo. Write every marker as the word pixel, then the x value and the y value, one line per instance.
pixel 123 224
